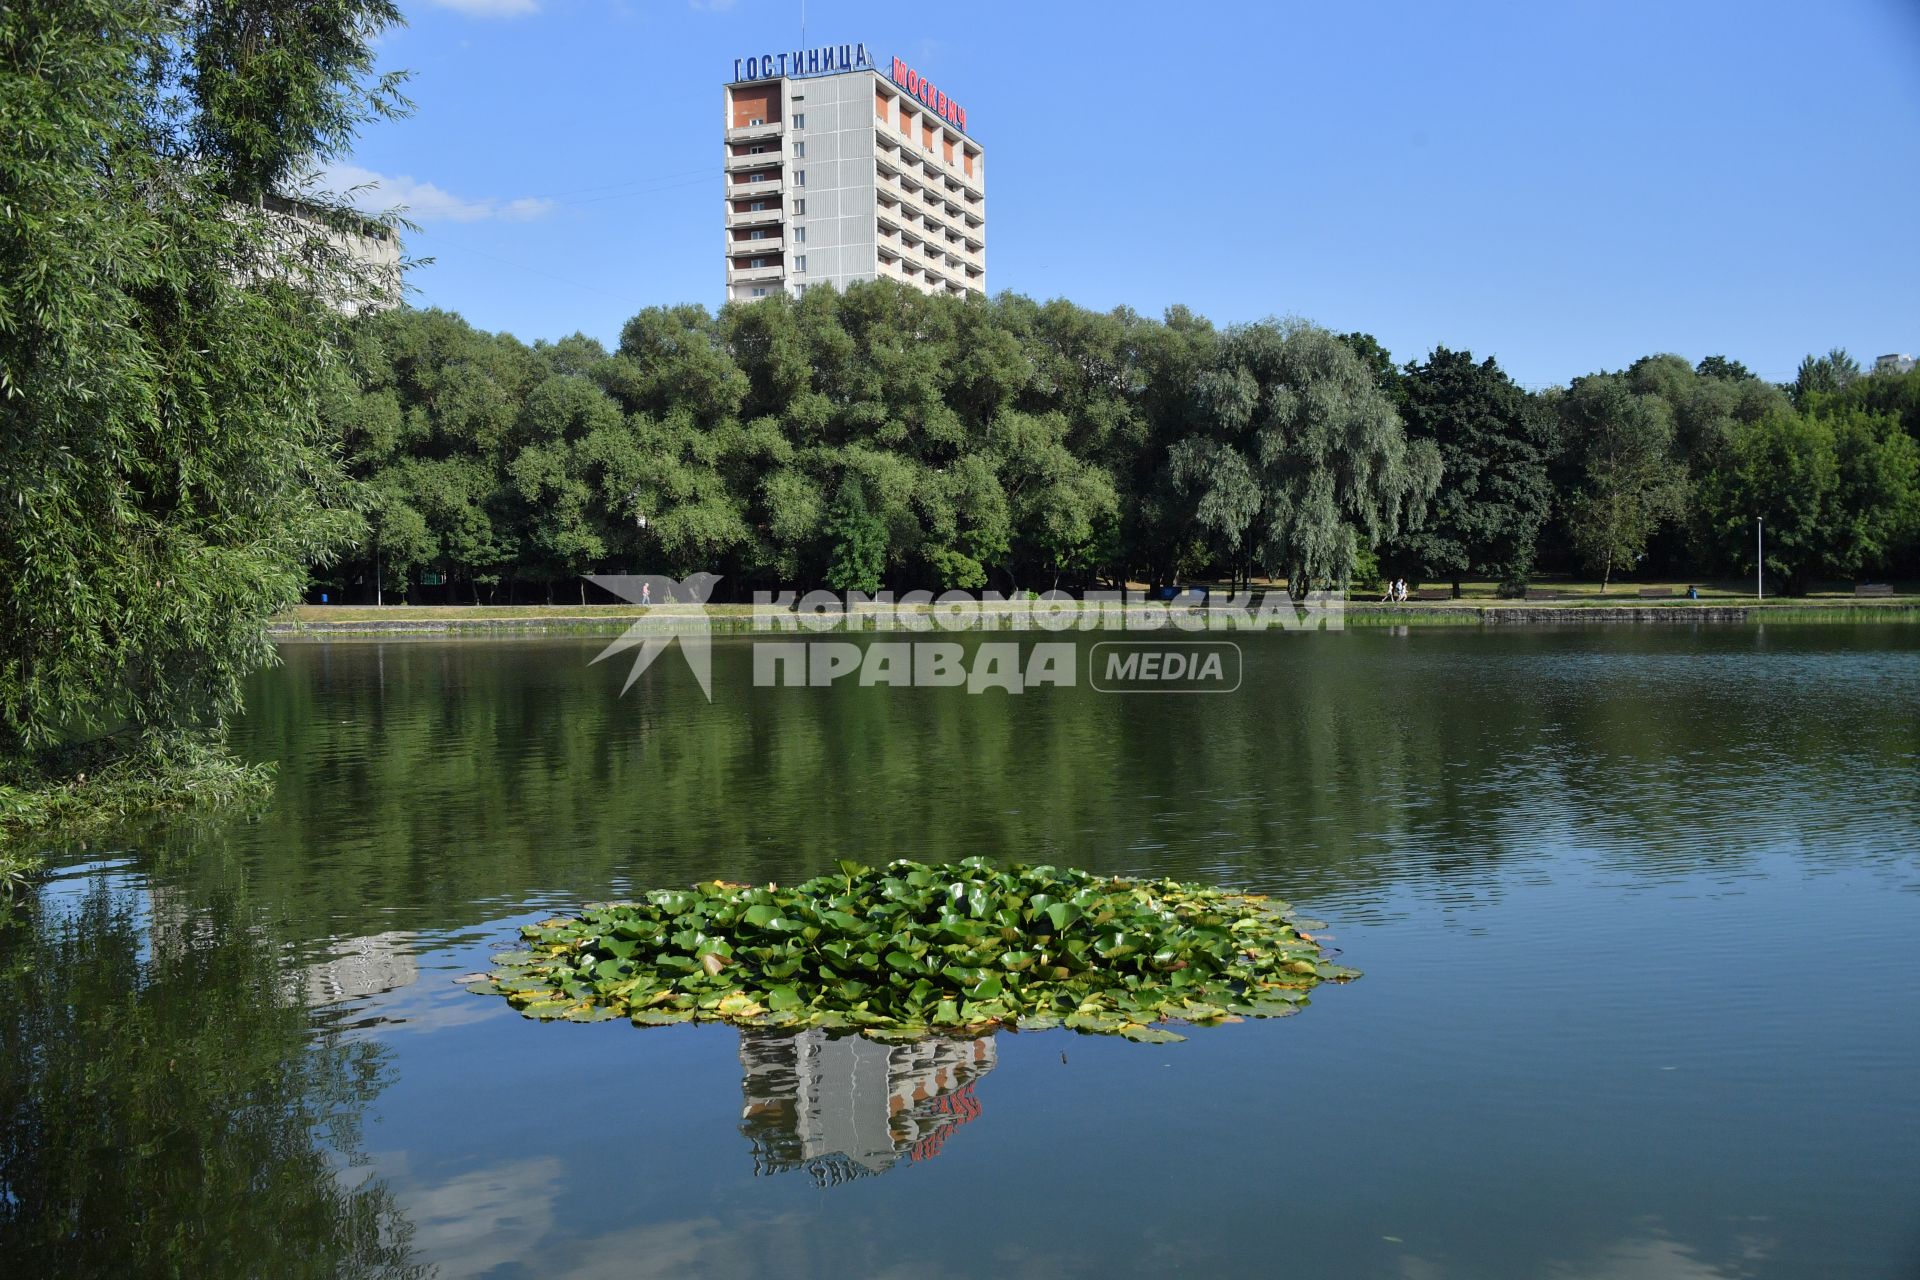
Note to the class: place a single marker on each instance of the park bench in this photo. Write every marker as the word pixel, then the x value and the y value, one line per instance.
pixel 1434 593
pixel 1655 593
pixel 1873 589
pixel 1541 593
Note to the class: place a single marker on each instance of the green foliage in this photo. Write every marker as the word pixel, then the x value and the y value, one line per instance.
pixel 1008 443
pixel 18 871
pixel 913 949
pixel 1839 495
pixel 1895 395
pixel 1873 514
pixel 860 541
pixel 279 84
pixel 1494 440
pixel 1823 375
pixel 1386 374
pixel 1627 479
pixel 1705 408
pixel 165 477
pixel 1301 459
pixel 1781 469
pixel 1722 367
pixel 81 791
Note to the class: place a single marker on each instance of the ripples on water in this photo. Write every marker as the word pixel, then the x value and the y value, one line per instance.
pixel 1636 910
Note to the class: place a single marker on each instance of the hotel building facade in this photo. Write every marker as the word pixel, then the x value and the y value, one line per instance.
pixel 837 171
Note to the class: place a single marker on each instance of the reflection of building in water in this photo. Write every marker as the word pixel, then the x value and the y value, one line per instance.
pixel 848 1107
pixel 362 967
pixel 351 967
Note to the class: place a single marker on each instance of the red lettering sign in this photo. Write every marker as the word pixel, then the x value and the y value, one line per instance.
pixel 924 90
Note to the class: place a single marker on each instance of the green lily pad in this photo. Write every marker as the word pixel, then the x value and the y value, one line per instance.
pixel 912 950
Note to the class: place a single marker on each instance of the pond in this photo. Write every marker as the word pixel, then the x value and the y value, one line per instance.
pixel 1636 909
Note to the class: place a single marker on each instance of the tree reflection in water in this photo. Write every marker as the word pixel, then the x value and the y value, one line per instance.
pixel 846 1107
pixel 168 1105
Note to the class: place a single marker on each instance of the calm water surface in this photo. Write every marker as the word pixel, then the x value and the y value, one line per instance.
pixel 1638 908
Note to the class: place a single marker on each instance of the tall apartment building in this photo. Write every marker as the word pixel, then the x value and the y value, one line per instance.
pixel 837 173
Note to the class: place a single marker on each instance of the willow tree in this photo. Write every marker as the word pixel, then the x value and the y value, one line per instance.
pixel 168 334
pixel 1301 462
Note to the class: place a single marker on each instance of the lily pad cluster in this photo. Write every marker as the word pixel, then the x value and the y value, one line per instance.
pixel 910 950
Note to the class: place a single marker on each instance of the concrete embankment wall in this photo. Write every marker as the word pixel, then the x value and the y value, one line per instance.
pixel 1358 615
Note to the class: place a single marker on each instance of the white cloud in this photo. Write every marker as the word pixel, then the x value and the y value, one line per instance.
pixel 423 202
pixel 491 8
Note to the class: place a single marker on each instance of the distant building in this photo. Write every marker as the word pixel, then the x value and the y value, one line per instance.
pixel 837 172
pixel 360 267
pixel 1893 364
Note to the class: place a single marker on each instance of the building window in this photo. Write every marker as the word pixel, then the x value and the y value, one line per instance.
pixel 756 262
pixel 755 123
pixel 800 263
pixel 799 235
pixel 759 293
pixel 759 233
pixel 800 120
pixel 799 208
pixel 799 177
pixel 758 206
pixel 799 151
pixel 758 177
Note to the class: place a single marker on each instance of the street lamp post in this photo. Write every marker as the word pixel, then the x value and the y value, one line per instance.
pixel 1759 557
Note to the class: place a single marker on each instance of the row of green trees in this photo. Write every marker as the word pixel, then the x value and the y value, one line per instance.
pixel 879 436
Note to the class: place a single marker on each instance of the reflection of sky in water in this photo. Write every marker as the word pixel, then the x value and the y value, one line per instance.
pixel 1636 914
pixel 1606 1075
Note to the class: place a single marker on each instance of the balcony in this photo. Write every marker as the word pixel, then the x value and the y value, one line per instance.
pixel 774 243
pixel 930 205
pixel 754 132
pixel 764 160
pixel 754 275
pixel 737 190
pixel 754 217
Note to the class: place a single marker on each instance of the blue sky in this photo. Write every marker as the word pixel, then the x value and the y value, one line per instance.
pixel 1566 186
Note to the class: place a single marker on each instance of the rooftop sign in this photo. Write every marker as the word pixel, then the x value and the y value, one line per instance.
pixel 827 60
pixel 834 59
pixel 925 90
